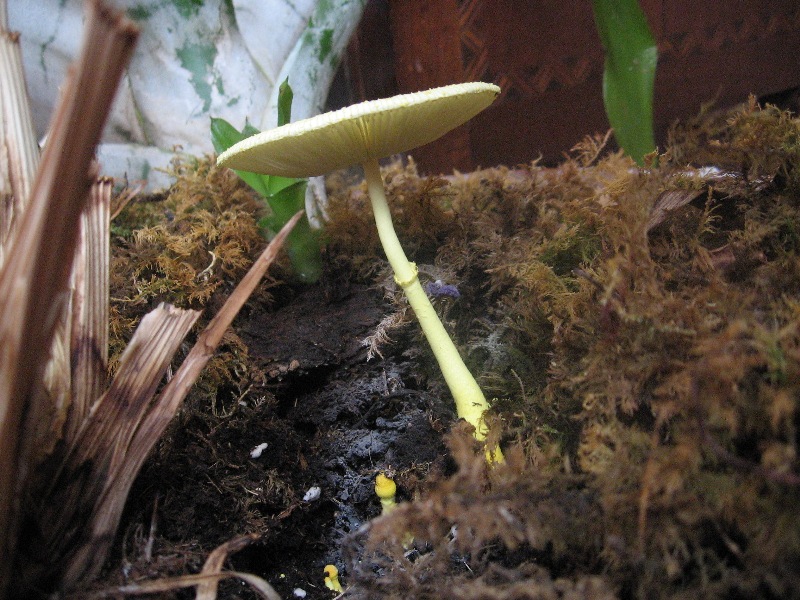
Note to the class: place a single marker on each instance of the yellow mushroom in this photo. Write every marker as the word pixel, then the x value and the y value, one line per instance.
pixel 362 134
pixel 386 489
pixel 332 579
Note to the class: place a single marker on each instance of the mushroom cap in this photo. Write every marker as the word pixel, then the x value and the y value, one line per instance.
pixel 331 571
pixel 355 134
pixel 385 488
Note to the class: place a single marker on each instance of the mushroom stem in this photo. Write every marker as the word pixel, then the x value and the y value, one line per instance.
pixel 404 271
pixel 470 401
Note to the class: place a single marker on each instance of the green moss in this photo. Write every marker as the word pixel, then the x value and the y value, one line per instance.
pixel 183 248
pixel 572 249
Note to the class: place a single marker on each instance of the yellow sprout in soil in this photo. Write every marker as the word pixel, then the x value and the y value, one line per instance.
pixel 332 579
pixel 386 489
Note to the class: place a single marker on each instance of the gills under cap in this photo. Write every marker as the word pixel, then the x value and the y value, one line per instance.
pixel 355 134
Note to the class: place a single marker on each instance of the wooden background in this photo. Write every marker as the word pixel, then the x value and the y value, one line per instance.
pixel 547 58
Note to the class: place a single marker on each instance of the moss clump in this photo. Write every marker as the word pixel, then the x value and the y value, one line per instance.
pixel 760 143
pixel 190 247
pixel 641 328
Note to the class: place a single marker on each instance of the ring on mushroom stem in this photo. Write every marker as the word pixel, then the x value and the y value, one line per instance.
pixel 364 133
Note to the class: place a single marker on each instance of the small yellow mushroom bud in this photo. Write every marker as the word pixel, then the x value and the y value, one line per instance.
pixel 386 489
pixel 332 579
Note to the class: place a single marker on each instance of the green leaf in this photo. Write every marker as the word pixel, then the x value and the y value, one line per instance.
pixel 629 76
pixel 304 251
pixel 302 245
pixel 289 200
pixel 284 195
pixel 260 183
pixel 285 97
pixel 277 183
pixel 223 136
pixel 249 130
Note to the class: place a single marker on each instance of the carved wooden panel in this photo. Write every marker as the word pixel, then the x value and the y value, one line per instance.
pixel 547 58
pixel 722 51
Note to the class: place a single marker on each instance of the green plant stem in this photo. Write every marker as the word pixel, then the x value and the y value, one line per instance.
pixel 470 401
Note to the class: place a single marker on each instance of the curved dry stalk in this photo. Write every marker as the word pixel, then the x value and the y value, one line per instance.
pixel 215 562
pixel 170 584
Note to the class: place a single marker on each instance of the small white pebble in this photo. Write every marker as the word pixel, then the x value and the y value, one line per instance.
pixel 312 494
pixel 299 593
pixel 257 451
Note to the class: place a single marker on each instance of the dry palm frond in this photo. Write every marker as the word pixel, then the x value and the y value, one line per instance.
pixel 75 375
pixel 77 505
pixel 150 424
pixel 35 275
pixel 89 327
pixel 19 152
pixel 71 444
pixel 74 538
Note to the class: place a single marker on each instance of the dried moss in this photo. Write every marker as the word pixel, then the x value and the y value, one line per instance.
pixel 757 142
pixel 190 247
pixel 659 357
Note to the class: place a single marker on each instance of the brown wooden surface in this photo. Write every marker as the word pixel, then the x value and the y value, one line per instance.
pixel 432 59
pixel 547 57
pixel 370 56
pixel 722 51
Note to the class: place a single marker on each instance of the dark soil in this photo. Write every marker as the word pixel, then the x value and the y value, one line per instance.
pixel 333 421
